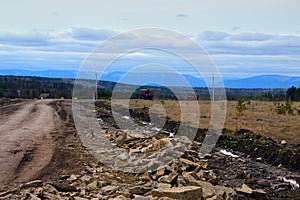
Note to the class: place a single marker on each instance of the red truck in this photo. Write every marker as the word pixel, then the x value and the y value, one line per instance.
pixel 146 94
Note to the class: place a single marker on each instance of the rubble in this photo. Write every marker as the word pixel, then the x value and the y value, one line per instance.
pixel 186 193
pixel 217 175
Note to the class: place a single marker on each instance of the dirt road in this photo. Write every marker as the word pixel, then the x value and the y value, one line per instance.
pixel 26 144
pixel 28 134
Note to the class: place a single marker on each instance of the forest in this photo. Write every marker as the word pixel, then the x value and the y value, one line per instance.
pixel 32 87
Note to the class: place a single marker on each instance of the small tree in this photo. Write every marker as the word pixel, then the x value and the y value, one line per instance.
pixel 283 108
pixel 241 107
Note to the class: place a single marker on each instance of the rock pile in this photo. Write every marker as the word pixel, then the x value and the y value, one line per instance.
pixel 188 176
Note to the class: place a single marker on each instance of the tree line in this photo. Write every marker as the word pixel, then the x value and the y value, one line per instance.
pixel 293 94
pixel 33 87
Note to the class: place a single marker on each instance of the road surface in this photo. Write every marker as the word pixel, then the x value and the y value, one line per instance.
pixel 26 144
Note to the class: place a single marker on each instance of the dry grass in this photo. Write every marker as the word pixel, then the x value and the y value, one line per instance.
pixel 258 118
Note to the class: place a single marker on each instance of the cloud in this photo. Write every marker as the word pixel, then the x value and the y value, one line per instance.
pixel 212 36
pixel 24 39
pixel 181 15
pixel 236 28
pixel 249 43
pixel 251 37
pixel 244 52
pixel 91 34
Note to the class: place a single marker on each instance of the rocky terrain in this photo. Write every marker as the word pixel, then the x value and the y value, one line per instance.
pixel 242 166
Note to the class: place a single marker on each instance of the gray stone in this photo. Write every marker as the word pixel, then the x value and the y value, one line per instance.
pixel 263 182
pixel 86 178
pixel 138 197
pixel 72 178
pixel 109 189
pixel 245 189
pixel 49 188
pixel 93 185
pixel 186 193
pixel 258 194
pixel 139 190
pixel 120 197
pixel 163 185
pixel 47 195
pixel 63 187
pixel 168 178
pixel 35 183
pixel 161 171
pixel 208 189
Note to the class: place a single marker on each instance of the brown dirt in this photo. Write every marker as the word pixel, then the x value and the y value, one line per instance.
pixel 38 139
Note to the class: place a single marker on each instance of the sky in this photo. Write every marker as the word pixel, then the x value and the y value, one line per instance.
pixel 242 37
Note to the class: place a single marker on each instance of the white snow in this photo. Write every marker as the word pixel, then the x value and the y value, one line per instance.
pixel 171 135
pixel 227 153
pixel 156 129
pixel 125 117
pixel 291 181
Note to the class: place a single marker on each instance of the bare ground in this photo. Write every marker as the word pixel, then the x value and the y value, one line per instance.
pixel 37 139
pixel 258 117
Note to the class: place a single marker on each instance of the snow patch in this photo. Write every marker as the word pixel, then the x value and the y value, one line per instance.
pixel 125 117
pixel 291 181
pixel 156 129
pixel 227 153
pixel 171 135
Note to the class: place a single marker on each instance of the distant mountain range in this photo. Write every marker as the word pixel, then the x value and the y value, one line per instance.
pixel 263 81
pixel 45 73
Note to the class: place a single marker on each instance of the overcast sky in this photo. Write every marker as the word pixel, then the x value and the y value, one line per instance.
pixel 243 37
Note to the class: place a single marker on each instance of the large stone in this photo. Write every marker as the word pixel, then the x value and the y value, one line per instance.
pixel 47 195
pixel 35 183
pixel 51 189
pixel 93 185
pixel 120 163
pixel 161 171
pixel 72 178
pixel 63 187
pixel 263 182
pixel 138 197
pixel 188 162
pixel 168 178
pixel 120 197
pixel 189 179
pixel 139 190
pixel 258 194
pixel 109 189
pixel 163 185
pixel 184 193
pixel 245 189
pixel 86 178
pixel 208 189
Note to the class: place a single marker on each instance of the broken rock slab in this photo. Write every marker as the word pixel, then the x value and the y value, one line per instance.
pixel 139 190
pixel 245 189
pixel 35 183
pixel 184 193
pixel 209 190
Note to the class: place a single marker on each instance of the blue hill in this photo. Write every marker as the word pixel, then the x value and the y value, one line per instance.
pixel 263 81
